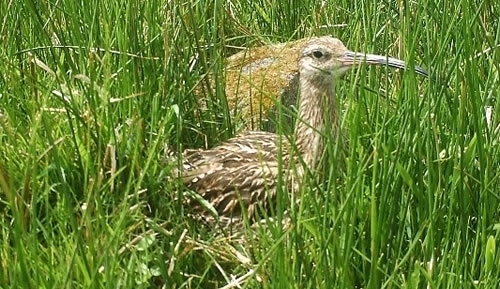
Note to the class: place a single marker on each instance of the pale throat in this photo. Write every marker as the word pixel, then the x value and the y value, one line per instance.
pixel 317 118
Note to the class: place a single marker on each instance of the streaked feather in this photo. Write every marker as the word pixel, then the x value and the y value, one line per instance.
pixel 241 172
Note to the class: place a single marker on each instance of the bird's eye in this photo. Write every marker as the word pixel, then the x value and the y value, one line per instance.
pixel 317 54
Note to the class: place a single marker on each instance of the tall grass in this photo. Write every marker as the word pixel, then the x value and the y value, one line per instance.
pixel 92 93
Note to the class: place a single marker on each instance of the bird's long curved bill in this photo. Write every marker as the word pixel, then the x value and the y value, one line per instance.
pixel 350 58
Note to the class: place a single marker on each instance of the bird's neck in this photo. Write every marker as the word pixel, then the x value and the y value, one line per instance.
pixel 317 117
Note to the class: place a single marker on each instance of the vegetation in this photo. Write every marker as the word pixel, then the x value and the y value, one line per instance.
pixel 93 92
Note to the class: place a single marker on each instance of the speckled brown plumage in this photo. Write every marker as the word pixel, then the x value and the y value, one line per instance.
pixel 240 176
pixel 243 169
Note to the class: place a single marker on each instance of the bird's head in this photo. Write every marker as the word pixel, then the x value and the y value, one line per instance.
pixel 328 56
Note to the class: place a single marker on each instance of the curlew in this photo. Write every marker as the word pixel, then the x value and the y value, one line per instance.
pixel 241 175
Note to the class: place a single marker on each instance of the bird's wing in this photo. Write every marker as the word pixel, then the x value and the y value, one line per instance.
pixel 242 171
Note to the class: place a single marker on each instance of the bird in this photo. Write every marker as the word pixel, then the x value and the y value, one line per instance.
pixel 239 178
